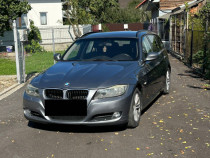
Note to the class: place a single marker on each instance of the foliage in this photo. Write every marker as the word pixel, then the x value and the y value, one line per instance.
pixel 201 59
pixel 100 9
pixel 76 15
pixel 11 10
pixel 134 3
pixel 33 47
pixel 88 12
pixel 198 57
pixel 34 37
pixel 200 21
pixel 204 15
pixel 131 15
pixel 105 28
pixel 34 33
pixel 114 14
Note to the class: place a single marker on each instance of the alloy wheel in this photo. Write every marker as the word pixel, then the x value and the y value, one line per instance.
pixel 136 107
pixel 167 80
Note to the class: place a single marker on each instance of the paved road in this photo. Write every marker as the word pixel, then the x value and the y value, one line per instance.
pixel 176 125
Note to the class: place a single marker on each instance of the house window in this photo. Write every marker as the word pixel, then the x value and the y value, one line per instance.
pixel 43 18
pixel 24 20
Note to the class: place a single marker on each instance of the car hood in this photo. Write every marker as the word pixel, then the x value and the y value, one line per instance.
pixel 89 74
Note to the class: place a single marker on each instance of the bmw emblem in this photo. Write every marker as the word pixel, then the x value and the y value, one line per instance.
pixel 66 84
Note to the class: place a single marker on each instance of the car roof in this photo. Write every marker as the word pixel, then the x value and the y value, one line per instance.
pixel 115 34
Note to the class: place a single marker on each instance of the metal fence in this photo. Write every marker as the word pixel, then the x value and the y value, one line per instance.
pixel 59 38
pixel 194 44
pixel 56 35
pixel 190 46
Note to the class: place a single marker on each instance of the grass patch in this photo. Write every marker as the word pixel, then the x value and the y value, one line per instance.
pixel 39 62
pixel 7 67
pixel 36 62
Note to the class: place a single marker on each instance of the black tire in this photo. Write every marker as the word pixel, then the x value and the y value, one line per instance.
pixel 166 89
pixel 33 124
pixel 133 122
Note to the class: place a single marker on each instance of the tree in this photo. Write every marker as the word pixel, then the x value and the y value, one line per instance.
pixel 88 12
pixel 11 10
pixel 127 15
pixel 204 15
pixel 34 37
pixel 101 9
pixel 201 22
pixel 76 15
pixel 134 3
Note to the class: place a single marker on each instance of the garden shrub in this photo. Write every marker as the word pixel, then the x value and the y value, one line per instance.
pixel 34 37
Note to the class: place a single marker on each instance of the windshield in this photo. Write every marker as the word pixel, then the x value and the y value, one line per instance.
pixel 103 49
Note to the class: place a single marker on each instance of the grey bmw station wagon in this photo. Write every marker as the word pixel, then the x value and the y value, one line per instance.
pixel 104 78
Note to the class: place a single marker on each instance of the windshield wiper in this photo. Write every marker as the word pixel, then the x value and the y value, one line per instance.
pixel 100 60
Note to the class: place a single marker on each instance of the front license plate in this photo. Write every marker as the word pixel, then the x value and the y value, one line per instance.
pixel 65 107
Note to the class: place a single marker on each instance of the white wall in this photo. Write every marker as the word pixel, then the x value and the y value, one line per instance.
pixel 53 9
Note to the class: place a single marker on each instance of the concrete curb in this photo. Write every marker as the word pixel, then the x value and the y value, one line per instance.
pixel 8 89
pixel 14 87
pixel 11 90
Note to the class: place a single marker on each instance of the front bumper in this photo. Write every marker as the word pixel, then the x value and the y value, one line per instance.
pixel 99 112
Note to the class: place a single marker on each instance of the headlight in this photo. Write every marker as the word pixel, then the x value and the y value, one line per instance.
pixel 31 90
pixel 111 91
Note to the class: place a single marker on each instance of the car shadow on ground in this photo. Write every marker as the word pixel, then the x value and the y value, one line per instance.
pixel 76 128
pixel 151 104
pixel 193 74
pixel 83 128
pixel 196 87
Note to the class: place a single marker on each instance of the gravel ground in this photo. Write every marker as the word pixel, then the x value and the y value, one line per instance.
pixel 7 81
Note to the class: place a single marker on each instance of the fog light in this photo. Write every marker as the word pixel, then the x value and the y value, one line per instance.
pixel 116 115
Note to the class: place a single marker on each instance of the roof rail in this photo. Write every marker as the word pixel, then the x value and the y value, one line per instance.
pixel 139 31
pixel 88 34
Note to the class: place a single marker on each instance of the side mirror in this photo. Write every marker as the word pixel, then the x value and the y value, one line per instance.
pixel 57 57
pixel 152 56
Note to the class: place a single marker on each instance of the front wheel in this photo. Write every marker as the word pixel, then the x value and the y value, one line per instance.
pixel 166 89
pixel 135 109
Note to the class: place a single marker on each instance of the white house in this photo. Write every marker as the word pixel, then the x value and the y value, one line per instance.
pixel 44 13
pixel 48 17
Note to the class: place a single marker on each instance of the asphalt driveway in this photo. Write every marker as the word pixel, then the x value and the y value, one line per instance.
pixel 175 125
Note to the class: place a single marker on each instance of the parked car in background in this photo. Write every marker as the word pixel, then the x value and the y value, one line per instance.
pixel 104 78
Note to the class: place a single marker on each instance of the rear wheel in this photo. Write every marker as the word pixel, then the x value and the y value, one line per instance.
pixel 166 89
pixel 135 109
